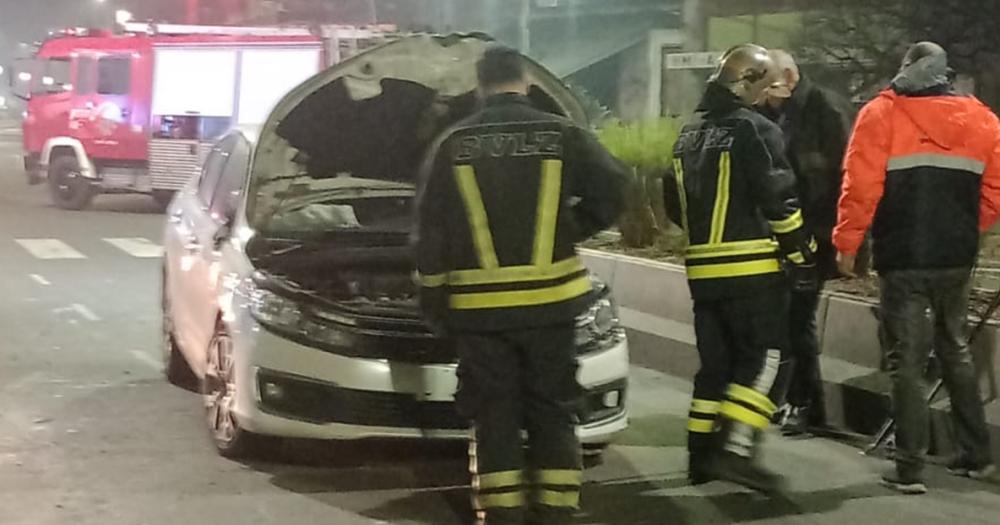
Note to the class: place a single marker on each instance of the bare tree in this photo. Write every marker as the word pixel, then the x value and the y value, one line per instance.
pixel 868 38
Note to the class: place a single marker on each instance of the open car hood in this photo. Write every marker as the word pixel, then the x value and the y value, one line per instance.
pixel 373 117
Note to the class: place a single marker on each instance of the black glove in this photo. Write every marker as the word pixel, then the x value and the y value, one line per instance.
pixel 804 277
pixel 434 310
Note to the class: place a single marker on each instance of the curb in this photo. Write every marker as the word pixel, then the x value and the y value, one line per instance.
pixel 655 307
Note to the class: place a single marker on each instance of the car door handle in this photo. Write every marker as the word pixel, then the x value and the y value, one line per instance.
pixel 192 246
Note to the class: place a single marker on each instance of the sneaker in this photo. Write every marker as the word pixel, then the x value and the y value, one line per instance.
pixel 745 471
pixel 968 469
pixel 904 486
pixel 795 422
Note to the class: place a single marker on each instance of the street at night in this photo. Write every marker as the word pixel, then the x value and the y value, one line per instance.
pixel 92 433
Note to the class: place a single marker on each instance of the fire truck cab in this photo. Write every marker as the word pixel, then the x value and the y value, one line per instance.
pixel 137 111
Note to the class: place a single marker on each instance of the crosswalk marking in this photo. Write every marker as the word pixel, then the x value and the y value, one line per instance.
pixel 137 246
pixel 50 249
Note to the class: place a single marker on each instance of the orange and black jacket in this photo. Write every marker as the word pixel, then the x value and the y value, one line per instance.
pixel 923 172
pixel 733 192
pixel 505 197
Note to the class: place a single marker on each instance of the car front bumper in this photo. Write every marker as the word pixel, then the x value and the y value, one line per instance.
pixel 293 390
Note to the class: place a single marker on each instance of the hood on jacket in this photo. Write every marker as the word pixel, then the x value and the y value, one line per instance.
pixel 943 119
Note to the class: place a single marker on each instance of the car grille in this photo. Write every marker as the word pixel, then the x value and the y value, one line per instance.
pixel 319 402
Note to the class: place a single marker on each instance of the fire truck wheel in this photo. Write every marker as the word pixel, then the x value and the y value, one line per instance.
pixel 70 189
pixel 163 198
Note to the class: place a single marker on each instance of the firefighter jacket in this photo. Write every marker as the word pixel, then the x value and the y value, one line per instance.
pixel 816 124
pixel 733 192
pixel 924 172
pixel 504 198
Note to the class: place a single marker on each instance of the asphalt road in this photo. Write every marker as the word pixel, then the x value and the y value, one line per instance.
pixel 90 433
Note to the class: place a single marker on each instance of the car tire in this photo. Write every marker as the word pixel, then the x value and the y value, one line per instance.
pixel 593 454
pixel 163 198
pixel 70 190
pixel 218 389
pixel 176 367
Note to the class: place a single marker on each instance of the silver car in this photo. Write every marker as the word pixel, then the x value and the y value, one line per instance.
pixel 287 281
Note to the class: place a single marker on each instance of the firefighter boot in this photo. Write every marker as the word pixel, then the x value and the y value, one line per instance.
pixel 701 450
pixel 736 459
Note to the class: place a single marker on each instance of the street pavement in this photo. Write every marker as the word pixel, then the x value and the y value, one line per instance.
pixel 91 433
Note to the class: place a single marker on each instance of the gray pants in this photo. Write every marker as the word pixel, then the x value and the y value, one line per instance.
pixel 906 297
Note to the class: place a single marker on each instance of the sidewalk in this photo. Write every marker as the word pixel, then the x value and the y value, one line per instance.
pixel 643 478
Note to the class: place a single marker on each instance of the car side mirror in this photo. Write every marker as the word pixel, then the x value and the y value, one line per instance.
pixel 222 234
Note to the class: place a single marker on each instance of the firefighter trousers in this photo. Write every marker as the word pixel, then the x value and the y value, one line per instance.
pixel 512 383
pixel 741 342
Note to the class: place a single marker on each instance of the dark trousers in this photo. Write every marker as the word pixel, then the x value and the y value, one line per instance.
pixel 906 297
pixel 518 381
pixel 805 382
pixel 740 343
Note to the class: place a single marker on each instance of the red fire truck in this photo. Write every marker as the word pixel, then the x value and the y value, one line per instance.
pixel 137 110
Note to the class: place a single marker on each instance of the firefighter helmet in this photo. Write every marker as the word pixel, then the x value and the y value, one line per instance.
pixel 746 70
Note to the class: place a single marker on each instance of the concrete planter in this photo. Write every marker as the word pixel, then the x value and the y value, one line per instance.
pixel 656 309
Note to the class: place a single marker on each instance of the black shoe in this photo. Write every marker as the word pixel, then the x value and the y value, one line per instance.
pixel 904 485
pixel 744 471
pixel 969 469
pixel 700 476
pixel 796 422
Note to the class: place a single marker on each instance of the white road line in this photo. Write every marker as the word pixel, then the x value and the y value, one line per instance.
pixel 137 246
pixel 85 312
pixel 50 249
pixel 39 279
pixel 147 359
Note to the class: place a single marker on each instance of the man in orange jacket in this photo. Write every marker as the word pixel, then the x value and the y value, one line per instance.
pixel 923 170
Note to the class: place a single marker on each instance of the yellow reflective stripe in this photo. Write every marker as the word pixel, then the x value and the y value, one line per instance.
pixel 501 500
pixel 705 407
pixel 736 269
pixel 721 201
pixel 762 250
pixel 515 274
pixel 744 415
pixel 507 478
pixel 432 281
pixel 797 258
pixel 554 498
pixel 507 299
pixel 465 177
pixel 813 246
pixel 752 397
pixel 789 224
pixel 681 194
pixel 547 212
pixel 731 248
pixel 701 426
pixel 560 477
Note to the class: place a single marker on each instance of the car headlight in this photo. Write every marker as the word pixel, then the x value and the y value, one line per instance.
pixel 598 323
pixel 287 316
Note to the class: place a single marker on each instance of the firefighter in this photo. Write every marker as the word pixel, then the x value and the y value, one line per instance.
pixel 816 124
pixel 923 171
pixel 505 196
pixel 733 193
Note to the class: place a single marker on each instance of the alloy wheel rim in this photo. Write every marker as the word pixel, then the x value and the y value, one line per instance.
pixel 221 392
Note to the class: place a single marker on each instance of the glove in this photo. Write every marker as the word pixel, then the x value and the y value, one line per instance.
pixel 805 278
pixel 434 310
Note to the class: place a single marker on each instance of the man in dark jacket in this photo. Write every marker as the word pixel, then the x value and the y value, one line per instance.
pixel 733 193
pixel 923 171
pixel 506 195
pixel 816 124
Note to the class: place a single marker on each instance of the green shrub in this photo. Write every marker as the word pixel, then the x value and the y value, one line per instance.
pixel 647 148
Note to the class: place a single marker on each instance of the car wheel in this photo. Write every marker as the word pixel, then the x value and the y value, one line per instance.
pixel 593 454
pixel 218 389
pixel 69 188
pixel 163 198
pixel 176 368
